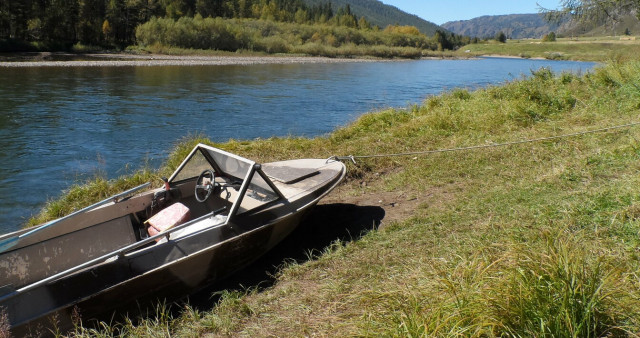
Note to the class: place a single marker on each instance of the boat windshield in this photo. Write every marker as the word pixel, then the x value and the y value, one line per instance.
pixel 232 167
pixel 222 163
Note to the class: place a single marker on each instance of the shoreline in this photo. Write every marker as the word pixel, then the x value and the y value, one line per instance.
pixel 47 59
pixel 512 57
pixel 120 60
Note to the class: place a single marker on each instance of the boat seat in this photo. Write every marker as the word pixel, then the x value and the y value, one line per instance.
pixel 168 218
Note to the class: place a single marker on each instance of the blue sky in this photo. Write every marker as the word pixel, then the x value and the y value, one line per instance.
pixel 440 11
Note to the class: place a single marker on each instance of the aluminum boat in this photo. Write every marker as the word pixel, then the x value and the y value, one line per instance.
pixel 216 214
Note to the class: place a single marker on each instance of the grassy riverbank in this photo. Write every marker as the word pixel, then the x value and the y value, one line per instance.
pixel 526 240
pixel 583 49
pixel 579 49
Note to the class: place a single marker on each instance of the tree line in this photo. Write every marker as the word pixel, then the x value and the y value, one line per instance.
pixel 112 23
pixel 161 35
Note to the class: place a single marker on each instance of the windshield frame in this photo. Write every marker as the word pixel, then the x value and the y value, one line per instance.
pixel 241 165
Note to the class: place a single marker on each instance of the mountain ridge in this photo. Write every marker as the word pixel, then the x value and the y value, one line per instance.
pixel 515 26
pixel 522 26
pixel 380 14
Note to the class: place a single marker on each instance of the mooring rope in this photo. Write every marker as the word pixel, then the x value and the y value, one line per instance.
pixel 353 158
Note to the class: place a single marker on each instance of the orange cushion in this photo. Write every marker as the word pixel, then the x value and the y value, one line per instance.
pixel 167 218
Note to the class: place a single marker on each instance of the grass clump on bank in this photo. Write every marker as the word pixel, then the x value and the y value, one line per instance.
pixel 536 239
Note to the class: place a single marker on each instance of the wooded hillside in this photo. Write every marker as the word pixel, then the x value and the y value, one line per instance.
pixel 522 26
pixel 113 22
pixel 515 26
pixel 60 24
pixel 382 15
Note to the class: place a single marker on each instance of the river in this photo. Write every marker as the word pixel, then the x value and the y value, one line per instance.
pixel 60 125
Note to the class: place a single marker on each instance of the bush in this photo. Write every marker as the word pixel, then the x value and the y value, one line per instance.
pixel 280 37
pixel 188 32
pixel 551 37
pixel 272 44
pixel 82 48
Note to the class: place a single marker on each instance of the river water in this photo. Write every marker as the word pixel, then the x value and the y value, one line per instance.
pixel 60 125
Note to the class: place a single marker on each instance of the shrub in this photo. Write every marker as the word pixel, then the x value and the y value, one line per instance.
pixel 188 32
pixel 280 37
pixel 551 37
pixel 272 44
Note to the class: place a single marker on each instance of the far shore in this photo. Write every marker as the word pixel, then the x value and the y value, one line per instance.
pixel 107 60
pixel 122 59
pixel 511 57
pixel 47 59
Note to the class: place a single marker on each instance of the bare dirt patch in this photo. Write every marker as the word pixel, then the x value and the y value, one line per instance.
pixel 396 205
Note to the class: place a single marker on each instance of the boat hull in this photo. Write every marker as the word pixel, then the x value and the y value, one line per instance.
pixel 114 287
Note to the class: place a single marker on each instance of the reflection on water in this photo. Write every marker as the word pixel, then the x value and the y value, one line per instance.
pixel 62 125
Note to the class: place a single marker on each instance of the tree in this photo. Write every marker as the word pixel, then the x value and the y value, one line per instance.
pixel 344 17
pixel 144 10
pixel 364 24
pixel 54 21
pixel 106 30
pixel 14 18
pixel 5 22
pixel 91 19
pixel 549 37
pixel 122 17
pixel 501 37
pixel 609 12
pixel 301 16
pixel 321 13
pixel 177 8
pixel 442 40
pixel 210 8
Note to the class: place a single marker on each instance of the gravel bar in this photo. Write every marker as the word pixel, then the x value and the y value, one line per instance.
pixel 168 60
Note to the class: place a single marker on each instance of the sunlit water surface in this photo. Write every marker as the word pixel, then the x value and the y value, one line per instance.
pixel 59 126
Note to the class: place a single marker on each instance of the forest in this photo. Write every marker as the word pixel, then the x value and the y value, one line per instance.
pixel 230 25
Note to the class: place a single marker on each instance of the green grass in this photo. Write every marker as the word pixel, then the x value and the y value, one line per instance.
pixel 585 49
pixel 537 239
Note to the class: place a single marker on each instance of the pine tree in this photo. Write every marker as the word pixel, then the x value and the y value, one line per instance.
pixel 90 20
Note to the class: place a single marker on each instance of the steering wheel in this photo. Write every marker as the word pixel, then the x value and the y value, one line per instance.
pixel 205 188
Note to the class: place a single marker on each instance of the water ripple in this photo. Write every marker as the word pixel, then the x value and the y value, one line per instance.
pixel 63 125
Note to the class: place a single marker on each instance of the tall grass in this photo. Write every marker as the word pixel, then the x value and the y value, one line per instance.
pixel 562 289
pixel 554 288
